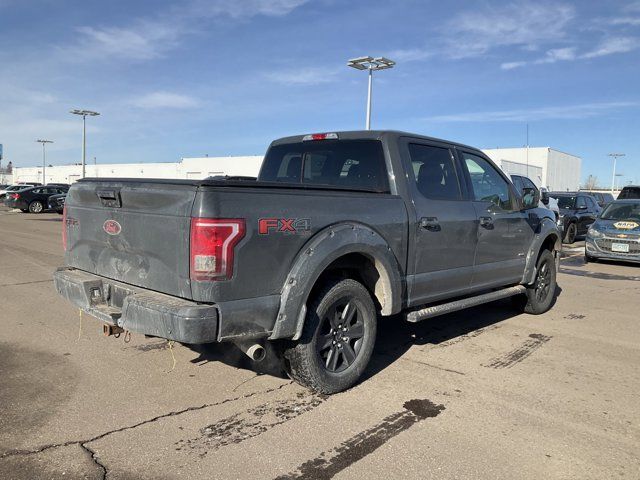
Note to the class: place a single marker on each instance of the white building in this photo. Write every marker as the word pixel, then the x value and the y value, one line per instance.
pixel 187 168
pixel 545 166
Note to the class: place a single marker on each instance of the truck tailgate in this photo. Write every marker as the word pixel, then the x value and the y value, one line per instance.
pixel 136 232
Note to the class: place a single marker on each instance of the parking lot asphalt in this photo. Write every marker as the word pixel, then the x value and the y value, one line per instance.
pixel 482 393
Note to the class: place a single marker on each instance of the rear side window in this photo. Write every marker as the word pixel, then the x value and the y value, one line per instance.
pixel 434 172
pixel 357 164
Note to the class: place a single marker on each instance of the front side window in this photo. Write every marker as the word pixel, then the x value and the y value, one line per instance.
pixel 434 172
pixel 488 184
pixel 580 203
pixel 357 164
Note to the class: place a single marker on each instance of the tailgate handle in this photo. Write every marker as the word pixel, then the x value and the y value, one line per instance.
pixel 110 198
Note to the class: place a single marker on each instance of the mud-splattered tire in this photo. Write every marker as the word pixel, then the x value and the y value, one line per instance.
pixel 540 295
pixel 337 338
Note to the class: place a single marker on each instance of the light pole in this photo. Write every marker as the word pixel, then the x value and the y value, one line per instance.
pixel 615 157
pixel 84 114
pixel 371 64
pixel 618 175
pixel 44 158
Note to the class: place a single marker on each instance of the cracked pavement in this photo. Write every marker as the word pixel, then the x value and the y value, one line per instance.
pixel 482 393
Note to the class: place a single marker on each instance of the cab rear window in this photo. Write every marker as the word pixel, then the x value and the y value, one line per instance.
pixel 350 164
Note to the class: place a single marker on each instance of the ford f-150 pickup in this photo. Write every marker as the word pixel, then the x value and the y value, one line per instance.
pixel 337 230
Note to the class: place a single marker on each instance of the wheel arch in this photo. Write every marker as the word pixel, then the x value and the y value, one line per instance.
pixel 548 238
pixel 351 248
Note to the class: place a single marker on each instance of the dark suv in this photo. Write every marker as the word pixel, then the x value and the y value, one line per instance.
pixel 577 211
pixel 630 192
pixel 602 198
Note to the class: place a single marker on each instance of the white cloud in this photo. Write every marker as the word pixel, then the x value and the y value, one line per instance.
pixel 614 45
pixel 165 100
pixel 144 41
pixel 512 65
pixel 244 8
pixel 410 54
pixel 523 23
pixel 559 54
pixel 630 21
pixel 149 38
pixel 303 76
pixel 570 112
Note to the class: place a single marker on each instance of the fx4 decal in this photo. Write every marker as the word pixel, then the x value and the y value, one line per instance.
pixel 283 225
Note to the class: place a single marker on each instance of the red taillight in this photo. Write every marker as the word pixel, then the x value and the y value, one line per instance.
pixel 213 241
pixel 64 228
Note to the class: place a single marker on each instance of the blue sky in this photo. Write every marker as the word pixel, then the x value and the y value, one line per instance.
pixel 224 77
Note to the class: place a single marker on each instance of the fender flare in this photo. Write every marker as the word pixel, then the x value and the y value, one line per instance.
pixel 548 229
pixel 318 253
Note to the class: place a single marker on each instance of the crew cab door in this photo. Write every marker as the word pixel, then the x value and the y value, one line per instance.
pixel 503 232
pixel 444 228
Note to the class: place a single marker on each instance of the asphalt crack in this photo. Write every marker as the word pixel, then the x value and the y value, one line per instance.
pixel 84 444
pixel 95 460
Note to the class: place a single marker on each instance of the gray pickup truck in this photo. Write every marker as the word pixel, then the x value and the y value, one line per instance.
pixel 338 229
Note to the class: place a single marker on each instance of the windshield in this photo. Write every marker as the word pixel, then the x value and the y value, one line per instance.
pixel 566 202
pixel 354 164
pixel 622 211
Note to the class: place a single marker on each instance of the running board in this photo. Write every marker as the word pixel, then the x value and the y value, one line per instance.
pixel 430 312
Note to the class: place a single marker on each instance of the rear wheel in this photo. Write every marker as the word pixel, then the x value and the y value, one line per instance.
pixel 36 206
pixel 539 296
pixel 337 338
pixel 570 235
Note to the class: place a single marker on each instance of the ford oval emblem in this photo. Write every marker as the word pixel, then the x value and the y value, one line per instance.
pixel 112 227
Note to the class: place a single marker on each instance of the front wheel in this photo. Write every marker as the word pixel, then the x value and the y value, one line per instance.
pixel 539 296
pixel 337 338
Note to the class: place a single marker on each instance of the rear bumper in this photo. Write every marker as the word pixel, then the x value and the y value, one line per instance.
pixel 137 309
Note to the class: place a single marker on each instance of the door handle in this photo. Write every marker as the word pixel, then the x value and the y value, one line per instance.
pixel 486 222
pixel 430 223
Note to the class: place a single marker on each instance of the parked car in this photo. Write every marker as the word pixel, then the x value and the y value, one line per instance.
pixel 577 212
pixel 33 199
pixel 11 188
pixel 615 235
pixel 630 191
pixel 603 198
pixel 337 229
pixel 58 185
pixel 56 202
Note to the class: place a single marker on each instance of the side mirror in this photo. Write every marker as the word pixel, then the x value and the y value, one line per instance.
pixel 530 198
pixel 544 196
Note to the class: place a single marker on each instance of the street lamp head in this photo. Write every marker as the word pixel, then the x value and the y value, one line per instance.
pixel 370 63
pixel 44 141
pixel 84 113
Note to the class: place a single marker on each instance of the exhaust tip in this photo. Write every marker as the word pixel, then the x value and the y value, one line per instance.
pixel 256 352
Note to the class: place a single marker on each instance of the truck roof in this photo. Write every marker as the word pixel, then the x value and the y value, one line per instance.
pixel 373 135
